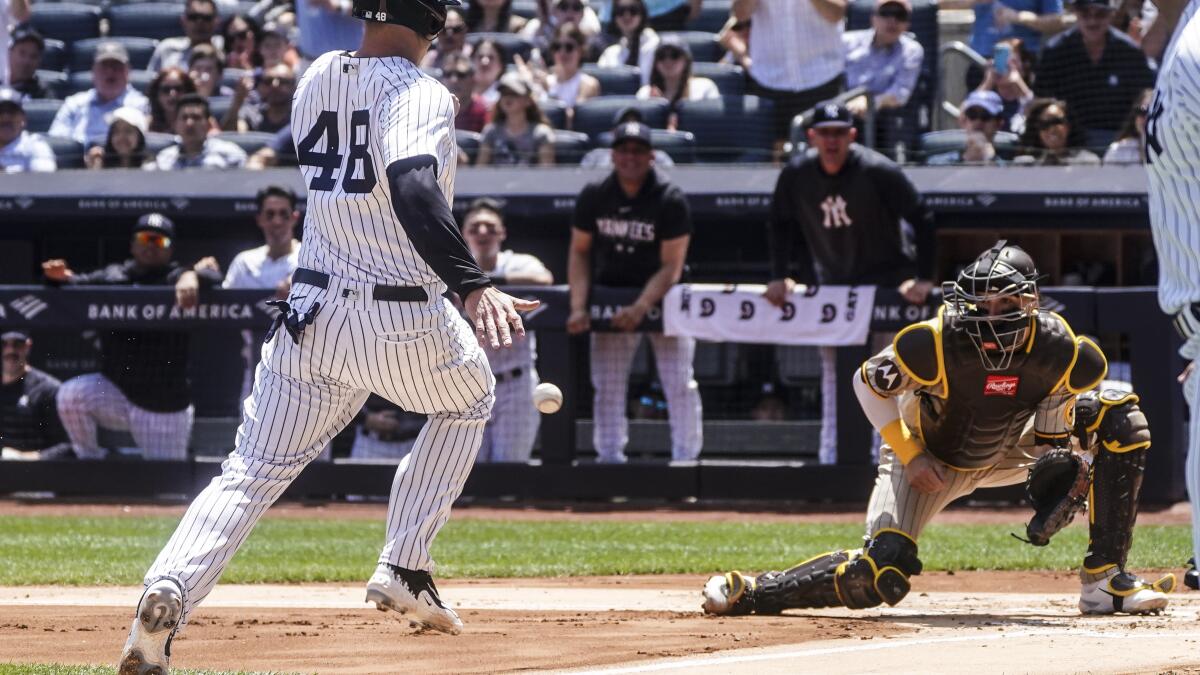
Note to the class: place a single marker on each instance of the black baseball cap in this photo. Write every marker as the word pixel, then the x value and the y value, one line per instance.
pixel 632 131
pixel 11 98
pixel 14 334
pixel 27 33
pixel 628 114
pixel 155 222
pixel 831 114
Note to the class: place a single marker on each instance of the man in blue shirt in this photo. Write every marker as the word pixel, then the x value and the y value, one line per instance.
pixel 19 149
pixel 326 26
pixel 84 116
pixel 996 20
pixel 883 59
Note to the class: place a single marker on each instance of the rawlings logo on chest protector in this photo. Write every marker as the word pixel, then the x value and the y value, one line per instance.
pixel 1001 385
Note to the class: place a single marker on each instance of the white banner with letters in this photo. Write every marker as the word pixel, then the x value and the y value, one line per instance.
pixel 826 315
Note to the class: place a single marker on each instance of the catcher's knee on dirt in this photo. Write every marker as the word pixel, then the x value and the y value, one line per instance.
pixel 855 579
pixel 1121 443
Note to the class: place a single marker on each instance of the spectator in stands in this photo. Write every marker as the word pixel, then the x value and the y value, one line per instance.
pixel 20 150
pixel 540 30
pixel 672 14
pixel 509 434
pixel 326 26
pixel 796 57
pixel 164 93
pixel 240 35
pixel 519 134
pixel 601 158
pixel 274 48
pixel 206 66
pixel 637 42
pixel 143 384
pixel 1129 148
pixel 84 116
pixel 883 59
pixel 996 20
pixel 1012 85
pixel 672 78
pixel 29 426
pixel 451 42
pixel 1096 69
pixel 1050 138
pixel 566 82
pixel 273 111
pixel 12 12
pixel 489 59
pixel 269 266
pixel 24 59
pixel 632 230
pixel 473 111
pixel 195 149
pixel 735 39
pixel 384 430
pixel 199 21
pixel 125 146
pixel 493 16
pixel 980 117
pixel 837 217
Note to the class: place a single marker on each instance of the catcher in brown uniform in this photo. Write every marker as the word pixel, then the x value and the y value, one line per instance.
pixel 991 392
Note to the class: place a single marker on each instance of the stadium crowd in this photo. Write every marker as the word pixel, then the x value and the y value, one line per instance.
pixel 208 83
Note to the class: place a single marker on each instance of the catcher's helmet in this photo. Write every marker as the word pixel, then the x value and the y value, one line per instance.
pixel 993 301
pixel 425 17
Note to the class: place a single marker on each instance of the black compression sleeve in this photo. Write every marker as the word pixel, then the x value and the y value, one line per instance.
pixel 426 218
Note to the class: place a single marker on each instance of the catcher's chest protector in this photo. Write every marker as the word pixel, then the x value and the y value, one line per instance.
pixel 986 411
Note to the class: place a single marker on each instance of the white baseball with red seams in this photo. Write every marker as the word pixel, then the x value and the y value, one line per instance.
pixel 547 397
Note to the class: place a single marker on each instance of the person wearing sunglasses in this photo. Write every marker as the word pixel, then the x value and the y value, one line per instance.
pixel 672 78
pixel 164 92
pixel 199 22
pixel 273 111
pixel 1096 69
pixel 1010 80
pixel 241 35
pixel 458 75
pixel 1050 139
pixel 883 58
pixel 1130 147
pixel 980 117
pixel 519 134
pixel 451 42
pixel 143 384
pixel 566 82
pixel 637 41
pixel 29 425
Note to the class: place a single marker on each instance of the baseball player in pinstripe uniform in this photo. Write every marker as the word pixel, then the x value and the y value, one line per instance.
pixel 1172 155
pixel 967 400
pixel 366 313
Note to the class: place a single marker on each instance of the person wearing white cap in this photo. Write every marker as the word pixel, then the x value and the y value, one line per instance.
pixel 84 116
pixel 125 145
pixel 19 149
pixel 980 116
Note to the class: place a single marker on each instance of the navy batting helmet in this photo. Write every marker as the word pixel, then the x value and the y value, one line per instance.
pixel 425 17
pixel 993 301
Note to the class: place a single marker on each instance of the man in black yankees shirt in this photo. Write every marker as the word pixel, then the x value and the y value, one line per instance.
pixel 836 219
pixel 632 230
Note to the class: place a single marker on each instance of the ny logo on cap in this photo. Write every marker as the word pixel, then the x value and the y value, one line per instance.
pixel 831 110
pixel 631 128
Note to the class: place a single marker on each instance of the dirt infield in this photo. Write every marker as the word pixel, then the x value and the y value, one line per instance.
pixel 950 623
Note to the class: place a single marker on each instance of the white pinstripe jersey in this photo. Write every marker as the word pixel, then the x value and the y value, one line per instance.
pixel 1173 151
pixel 351 118
pixel 794 47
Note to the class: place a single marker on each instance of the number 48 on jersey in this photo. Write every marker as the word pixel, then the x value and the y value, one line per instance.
pixel 356 162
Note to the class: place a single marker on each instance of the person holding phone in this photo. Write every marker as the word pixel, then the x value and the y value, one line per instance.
pixel 1007 77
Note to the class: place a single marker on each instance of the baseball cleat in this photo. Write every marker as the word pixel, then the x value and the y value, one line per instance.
pixel 1191 578
pixel 729 594
pixel 412 593
pixel 148 649
pixel 1112 590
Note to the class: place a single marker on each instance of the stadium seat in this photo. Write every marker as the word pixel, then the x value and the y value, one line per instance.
pixel 511 42
pixel 703 45
pixel 140 50
pixel 949 140
pixel 570 146
pixel 595 115
pixel 250 141
pixel 219 105
pixel 82 80
pixel 617 80
pixel 554 111
pixel 68 153
pixel 54 56
pixel 468 142
pixel 39 114
pixel 730 79
pixel 712 18
pixel 680 145
pixel 66 21
pixel 156 142
pixel 55 81
pixel 525 8
pixel 155 20
pixel 730 128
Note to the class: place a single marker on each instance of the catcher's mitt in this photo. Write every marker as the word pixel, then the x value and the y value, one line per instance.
pixel 1057 487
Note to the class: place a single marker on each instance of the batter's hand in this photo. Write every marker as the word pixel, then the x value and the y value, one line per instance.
pixel 926 474
pixel 578 322
pixel 916 291
pixel 629 317
pixel 778 291
pixel 493 312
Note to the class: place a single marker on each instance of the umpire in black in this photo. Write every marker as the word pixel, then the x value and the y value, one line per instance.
pixel 845 214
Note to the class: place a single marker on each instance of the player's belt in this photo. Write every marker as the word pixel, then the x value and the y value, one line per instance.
pixel 1187 321
pixel 379 293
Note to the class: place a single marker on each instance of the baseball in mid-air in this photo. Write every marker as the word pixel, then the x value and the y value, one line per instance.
pixel 547 398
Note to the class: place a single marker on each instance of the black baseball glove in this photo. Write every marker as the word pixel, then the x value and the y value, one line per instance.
pixel 1057 487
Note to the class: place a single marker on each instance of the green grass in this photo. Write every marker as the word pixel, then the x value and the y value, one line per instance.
pixel 57 669
pixel 117 550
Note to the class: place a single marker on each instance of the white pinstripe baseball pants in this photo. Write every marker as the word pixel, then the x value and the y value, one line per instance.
pixel 88 402
pixel 421 356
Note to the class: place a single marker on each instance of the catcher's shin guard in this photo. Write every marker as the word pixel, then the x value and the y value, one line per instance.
pixel 1121 443
pixel 880 573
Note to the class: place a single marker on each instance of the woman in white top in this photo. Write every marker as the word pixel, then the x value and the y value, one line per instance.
pixel 1128 148
pixel 566 83
pixel 638 39
pixel 672 78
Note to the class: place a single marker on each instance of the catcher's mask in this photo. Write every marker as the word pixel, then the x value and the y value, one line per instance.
pixel 994 301
pixel 426 17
